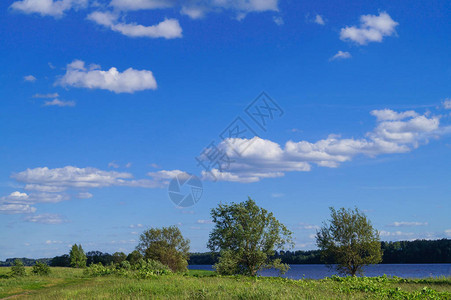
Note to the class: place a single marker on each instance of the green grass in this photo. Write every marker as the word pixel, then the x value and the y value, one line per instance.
pixel 67 283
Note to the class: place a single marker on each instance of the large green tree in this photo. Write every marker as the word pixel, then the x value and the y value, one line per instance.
pixel 77 257
pixel 166 245
pixel 348 241
pixel 247 236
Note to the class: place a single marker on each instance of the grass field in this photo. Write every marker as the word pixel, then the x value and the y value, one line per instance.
pixel 67 283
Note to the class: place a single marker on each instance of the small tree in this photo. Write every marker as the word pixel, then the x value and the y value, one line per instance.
pixel 349 241
pixel 77 257
pixel 166 245
pixel 247 236
pixel 41 269
pixel 18 269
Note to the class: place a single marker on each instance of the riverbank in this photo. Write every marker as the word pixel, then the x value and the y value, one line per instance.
pixel 67 283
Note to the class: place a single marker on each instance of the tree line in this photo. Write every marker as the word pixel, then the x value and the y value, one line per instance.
pixel 247 238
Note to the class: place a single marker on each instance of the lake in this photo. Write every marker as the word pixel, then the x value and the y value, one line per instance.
pixel 321 271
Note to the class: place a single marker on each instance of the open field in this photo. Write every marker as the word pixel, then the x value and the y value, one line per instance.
pixel 67 283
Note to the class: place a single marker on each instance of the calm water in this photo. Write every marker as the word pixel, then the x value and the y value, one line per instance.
pixel 321 271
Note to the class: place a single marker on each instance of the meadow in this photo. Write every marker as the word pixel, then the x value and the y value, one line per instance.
pixel 71 283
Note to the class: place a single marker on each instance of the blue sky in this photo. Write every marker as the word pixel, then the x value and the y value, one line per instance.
pixel 104 102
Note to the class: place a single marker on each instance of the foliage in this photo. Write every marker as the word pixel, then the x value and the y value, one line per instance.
pixel 419 251
pixel 166 245
pixel 41 269
pixel 142 269
pixel 149 268
pixel 95 257
pixel 119 257
pixel 77 257
pixel 246 237
pixel 349 241
pixel 18 269
pixel 134 257
pixel 60 261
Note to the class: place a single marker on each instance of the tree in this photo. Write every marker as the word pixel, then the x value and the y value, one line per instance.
pixel 41 269
pixel 134 257
pixel 119 257
pixel 247 236
pixel 166 245
pixel 18 269
pixel 349 241
pixel 77 257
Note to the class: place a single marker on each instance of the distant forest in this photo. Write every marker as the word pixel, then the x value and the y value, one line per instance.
pixel 402 252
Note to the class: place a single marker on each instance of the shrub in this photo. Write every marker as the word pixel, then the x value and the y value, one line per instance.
pixel 149 268
pixel 41 269
pixel 18 269
pixel 98 270
pixel 124 265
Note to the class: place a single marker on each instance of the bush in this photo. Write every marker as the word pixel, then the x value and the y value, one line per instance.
pixel 98 270
pixel 149 268
pixel 18 269
pixel 41 269
pixel 124 265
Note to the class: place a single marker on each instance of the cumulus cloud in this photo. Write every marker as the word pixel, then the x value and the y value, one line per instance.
pixel 29 78
pixel 60 103
pixel 47 7
pixel 129 81
pixel 44 185
pixel 394 133
pixel 45 219
pixel 341 55
pixel 168 29
pixel 407 224
pixel 372 28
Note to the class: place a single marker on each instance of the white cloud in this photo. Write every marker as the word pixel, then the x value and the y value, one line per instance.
pixel 447 103
pixel 47 7
pixel 407 224
pixel 53 95
pixel 128 165
pixel 129 81
pixel 45 219
pixel 448 232
pixel 319 20
pixel 12 208
pixel 57 102
pixel 136 226
pixel 50 242
pixel 198 8
pixel 372 29
pixel 142 4
pixel 163 177
pixel 168 29
pixel 390 115
pixel 29 78
pixel 84 195
pixel 204 222
pixel 265 159
pixel 341 55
